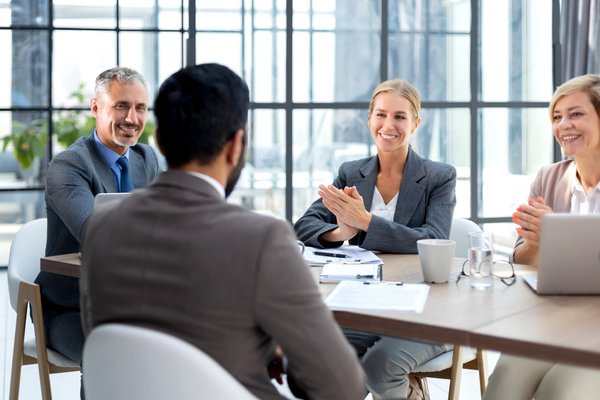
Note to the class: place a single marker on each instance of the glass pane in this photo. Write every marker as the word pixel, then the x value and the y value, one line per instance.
pixel 170 59
pixel 262 184
pixel 25 136
pixel 23 13
pixel 516 50
pixel 218 15
pixel 515 144
pixel 70 72
pixel 169 14
pixel 267 67
pixel 210 46
pixel 5 13
pixel 85 14
pixel 24 72
pixel 137 14
pixel 134 54
pixel 323 140
pixel 449 16
pixel 444 135
pixel 346 49
pixel 439 64
pixel 69 125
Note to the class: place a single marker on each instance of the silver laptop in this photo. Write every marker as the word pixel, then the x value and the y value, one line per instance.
pixel 569 260
pixel 103 198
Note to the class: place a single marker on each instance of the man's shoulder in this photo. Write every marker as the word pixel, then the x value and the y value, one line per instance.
pixel 78 150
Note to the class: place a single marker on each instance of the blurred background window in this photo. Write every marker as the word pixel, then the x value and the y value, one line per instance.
pixel 484 69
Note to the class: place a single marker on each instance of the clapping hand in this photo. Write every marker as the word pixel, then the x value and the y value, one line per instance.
pixel 529 218
pixel 348 207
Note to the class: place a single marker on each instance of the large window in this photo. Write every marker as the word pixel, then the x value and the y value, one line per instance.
pixel 483 67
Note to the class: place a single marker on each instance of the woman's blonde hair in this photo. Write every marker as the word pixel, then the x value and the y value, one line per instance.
pixel 589 84
pixel 401 87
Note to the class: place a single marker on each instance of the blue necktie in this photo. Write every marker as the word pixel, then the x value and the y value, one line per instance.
pixel 125 177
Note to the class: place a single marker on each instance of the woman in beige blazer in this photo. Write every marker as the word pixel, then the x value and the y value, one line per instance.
pixel 571 186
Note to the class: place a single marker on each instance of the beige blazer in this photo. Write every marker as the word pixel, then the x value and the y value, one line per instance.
pixel 554 183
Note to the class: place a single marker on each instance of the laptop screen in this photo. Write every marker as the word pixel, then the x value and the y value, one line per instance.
pixel 103 198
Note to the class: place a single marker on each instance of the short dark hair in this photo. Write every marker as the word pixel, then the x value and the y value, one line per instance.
pixel 198 109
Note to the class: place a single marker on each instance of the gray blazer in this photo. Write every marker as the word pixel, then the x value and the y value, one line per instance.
pixel 176 257
pixel 74 177
pixel 426 202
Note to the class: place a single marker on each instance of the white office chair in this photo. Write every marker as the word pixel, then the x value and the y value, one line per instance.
pixel 459 232
pixel 123 362
pixel 27 247
pixel 447 365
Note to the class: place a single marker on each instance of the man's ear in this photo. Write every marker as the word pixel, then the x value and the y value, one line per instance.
pixel 94 106
pixel 235 147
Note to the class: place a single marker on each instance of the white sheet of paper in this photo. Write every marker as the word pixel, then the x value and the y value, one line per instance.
pixel 350 295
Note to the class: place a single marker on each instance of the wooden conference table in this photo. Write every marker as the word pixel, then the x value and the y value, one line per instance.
pixel 510 319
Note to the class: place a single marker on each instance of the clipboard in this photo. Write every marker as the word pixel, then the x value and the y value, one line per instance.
pixel 337 272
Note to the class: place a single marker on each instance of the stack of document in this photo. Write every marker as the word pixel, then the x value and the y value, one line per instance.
pixel 349 295
pixel 337 272
pixel 344 254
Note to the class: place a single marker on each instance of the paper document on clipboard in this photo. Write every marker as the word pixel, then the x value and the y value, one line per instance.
pixel 344 254
pixel 337 272
pixel 353 295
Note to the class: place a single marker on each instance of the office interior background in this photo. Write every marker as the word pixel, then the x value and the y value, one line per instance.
pixel 486 70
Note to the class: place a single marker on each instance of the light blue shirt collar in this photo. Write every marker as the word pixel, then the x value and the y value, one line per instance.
pixel 111 157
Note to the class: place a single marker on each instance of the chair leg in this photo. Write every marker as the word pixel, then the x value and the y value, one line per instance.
pixel 33 293
pixel 17 359
pixel 482 367
pixel 455 373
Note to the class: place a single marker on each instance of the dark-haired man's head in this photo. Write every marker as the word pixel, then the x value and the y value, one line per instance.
pixel 201 117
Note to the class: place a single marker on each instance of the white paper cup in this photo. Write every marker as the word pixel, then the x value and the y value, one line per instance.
pixel 436 257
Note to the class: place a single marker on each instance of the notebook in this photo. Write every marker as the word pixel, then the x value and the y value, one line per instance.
pixel 569 260
pixel 103 198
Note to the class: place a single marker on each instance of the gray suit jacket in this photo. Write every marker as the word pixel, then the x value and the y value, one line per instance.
pixel 176 257
pixel 74 177
pixel 426 202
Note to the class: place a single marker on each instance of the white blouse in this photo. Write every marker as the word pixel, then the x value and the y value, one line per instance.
pixel 379 208
pixel 582 202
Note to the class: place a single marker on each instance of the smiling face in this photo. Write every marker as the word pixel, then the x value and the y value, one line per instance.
pixel 576 125
pixel 120 114
pixel 392 122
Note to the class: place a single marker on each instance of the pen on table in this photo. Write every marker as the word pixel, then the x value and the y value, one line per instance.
pixel 323 253
pixel 383 283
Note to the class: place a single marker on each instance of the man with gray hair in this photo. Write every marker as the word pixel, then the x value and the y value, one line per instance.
pixel 109 160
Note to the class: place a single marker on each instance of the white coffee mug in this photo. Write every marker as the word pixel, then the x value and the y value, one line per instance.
pixel 436 257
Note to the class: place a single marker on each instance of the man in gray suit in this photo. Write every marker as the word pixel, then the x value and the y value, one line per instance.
pixel 88 167
pixel 177 258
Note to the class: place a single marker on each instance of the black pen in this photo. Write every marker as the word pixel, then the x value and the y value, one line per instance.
pixel 336 255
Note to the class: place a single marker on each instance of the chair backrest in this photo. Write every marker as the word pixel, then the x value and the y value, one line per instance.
pixel 27 247
pixel 459 232
pixel 127 362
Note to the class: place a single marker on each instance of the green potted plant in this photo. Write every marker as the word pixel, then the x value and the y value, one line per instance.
pixel 28 141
